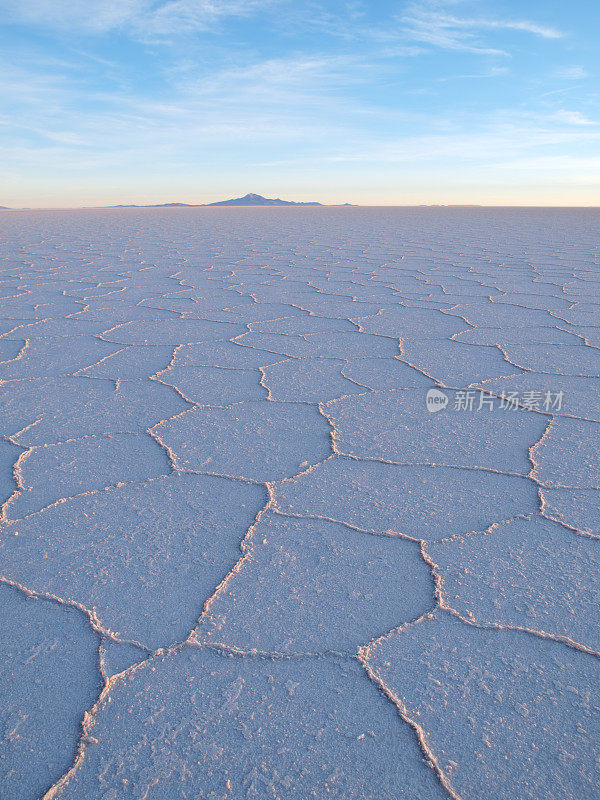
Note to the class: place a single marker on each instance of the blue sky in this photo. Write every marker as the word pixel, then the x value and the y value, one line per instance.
pixel 431 101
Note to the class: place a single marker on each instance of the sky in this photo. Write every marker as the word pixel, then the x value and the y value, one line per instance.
pixel 378 103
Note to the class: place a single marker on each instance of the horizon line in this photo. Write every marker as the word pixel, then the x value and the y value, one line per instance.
pixel 315 205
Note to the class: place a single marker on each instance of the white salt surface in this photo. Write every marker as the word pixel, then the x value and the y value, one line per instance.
pixel 240 559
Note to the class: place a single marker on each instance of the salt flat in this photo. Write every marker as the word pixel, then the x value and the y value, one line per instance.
pixel 242 557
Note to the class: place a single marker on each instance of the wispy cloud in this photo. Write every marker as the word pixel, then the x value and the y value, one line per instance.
pixel 273 103
pixel 582 168
pixel 282 79
pixel 573 73
pixel 139 18
pixel 573 117
pixel 93 16
pixel 181 16
pixel 430 24
pixel 493 72
pixel 503 136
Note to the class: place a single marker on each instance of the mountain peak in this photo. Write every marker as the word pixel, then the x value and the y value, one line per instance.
pixel 252 199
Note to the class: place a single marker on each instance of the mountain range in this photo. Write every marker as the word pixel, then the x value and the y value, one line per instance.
pixel 247 200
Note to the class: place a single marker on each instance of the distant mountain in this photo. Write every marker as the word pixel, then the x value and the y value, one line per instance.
pixel 259 200
pixel 246 200
pixel 157 205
